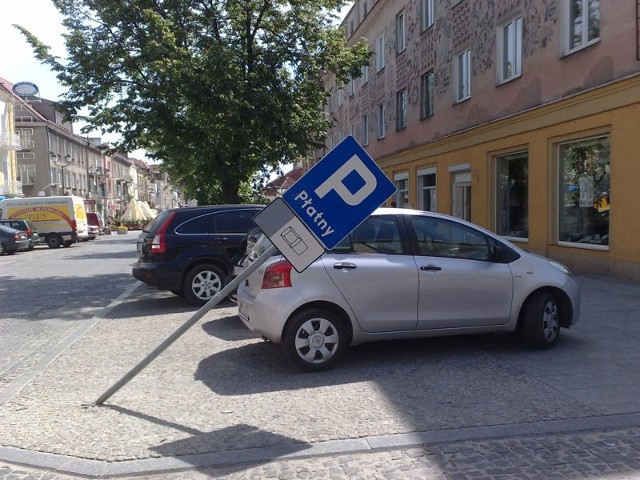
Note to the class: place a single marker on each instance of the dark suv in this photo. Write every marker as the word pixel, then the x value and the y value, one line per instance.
pixel 191 251
pixel 27 227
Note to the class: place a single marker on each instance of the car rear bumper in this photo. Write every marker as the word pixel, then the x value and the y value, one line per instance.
pixel 156 277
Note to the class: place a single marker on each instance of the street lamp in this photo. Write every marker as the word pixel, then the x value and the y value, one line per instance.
pixel 62 162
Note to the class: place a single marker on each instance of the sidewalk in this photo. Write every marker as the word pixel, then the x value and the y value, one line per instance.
pixel 441 408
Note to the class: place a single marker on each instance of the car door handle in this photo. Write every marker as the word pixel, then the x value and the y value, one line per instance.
pixel 430 268
pixel 344 266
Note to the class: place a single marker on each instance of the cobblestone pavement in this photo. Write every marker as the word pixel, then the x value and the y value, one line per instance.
pixel 610 455
pixel 221 392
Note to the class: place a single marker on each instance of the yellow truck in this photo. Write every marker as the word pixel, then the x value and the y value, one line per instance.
pixel 61 221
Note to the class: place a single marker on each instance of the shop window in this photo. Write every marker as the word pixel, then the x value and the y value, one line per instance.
pixel 512 196
pixel 427 192
pixel 585 196
pixel 401 181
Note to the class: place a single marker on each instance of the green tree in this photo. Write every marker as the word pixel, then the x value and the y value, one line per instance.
pixel 218 91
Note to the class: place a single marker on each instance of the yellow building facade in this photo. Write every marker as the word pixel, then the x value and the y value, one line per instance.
pixel 611 111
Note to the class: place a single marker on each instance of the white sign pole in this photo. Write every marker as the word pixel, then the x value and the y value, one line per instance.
pixel 230 287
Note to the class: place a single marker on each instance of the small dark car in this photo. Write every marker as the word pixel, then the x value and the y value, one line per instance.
pixel 26 226
pixel 12 240
pixel 191 251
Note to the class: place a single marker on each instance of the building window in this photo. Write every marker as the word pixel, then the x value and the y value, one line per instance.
pixel 512 196
pixel 380 53
pixel 365 74
pixel 401 33
pixel 426 94
pixel 26 137
pixel 401 181
pixel 463 76
pixel 427 13
pixel 584 23
pixel 461 192
pixel 365 129
pixel 365 8
pixel 427 198
pixel 382 124
pixel 352 87
pixel 332 107
pixel 585 192
pixel 27 174
pixel 401 109
pixel 341 96
pixel 510 50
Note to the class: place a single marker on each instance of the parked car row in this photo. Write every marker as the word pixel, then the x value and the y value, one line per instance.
pixel 9 244
pixel 400 274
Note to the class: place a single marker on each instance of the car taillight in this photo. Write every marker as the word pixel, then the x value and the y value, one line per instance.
pixel 159 245
pixel 277 275
pixel 74 226
pixel 28 232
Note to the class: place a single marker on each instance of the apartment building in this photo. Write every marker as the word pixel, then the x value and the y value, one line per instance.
pixel 518 115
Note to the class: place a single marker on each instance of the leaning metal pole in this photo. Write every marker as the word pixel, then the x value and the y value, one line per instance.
pixel 187 325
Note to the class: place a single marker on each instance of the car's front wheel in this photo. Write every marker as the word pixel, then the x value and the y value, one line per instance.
pixel 314 339
pixel 202 283
pixel 541 320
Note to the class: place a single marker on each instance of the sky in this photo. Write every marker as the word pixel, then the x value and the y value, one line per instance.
pixel 17 63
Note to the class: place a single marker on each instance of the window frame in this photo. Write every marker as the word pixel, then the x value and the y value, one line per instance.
pixel 401 109
pixel 509 50
pixel 365 129
pixel 427 89
pixel 423 186
pixel 401 32
pixel 427 14
pixel 499 161
pixel 382 124
pixel 380 60
pixel 590 189
pixel 462 84
pixel 585 40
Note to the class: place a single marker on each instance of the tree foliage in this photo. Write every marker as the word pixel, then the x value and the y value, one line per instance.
pixel 217 90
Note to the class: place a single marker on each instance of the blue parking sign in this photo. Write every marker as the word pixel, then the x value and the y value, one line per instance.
pixel 339 192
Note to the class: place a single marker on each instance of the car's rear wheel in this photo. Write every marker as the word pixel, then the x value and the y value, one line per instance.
pixel 202 283
pixel 314 339
pixel 54 241
pixel 541 320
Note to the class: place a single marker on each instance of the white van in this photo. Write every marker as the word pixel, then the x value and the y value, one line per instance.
pixel 60 220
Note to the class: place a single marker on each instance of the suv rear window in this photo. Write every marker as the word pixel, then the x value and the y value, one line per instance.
pixel 239 221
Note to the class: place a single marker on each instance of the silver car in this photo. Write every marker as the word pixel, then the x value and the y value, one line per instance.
pixel 405 274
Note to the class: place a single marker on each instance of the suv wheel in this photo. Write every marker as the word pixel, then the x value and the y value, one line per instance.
pixel 202 283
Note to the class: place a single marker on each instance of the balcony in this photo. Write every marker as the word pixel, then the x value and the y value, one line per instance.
pixel 10 141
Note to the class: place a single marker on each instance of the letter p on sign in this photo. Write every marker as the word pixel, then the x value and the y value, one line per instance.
pixel 336 182
pixel 342 189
